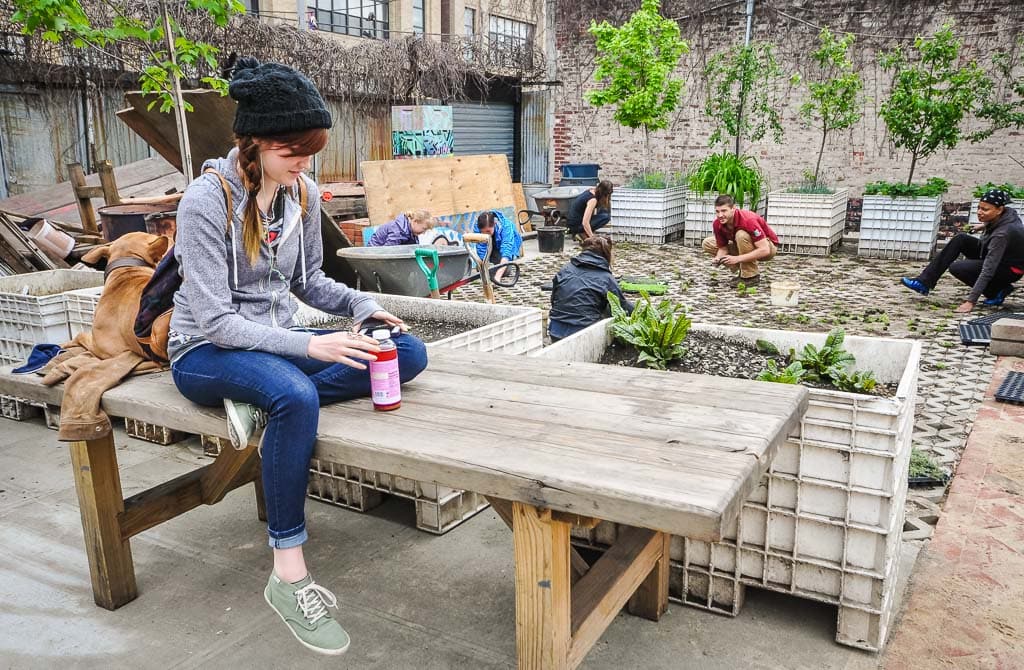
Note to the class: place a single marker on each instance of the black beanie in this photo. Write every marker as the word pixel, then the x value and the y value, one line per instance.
pixel 274 99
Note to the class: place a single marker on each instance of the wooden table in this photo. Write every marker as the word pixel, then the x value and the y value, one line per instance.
pixel 551 444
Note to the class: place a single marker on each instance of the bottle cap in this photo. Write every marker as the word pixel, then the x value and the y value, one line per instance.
pixel 381 334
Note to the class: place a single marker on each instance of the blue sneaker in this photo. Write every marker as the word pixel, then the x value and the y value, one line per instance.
pixel 915 285
pixel 1000 297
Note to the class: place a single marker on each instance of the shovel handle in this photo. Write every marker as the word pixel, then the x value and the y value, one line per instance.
pixel 475 238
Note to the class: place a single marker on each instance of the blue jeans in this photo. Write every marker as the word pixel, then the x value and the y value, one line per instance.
pixel 291 391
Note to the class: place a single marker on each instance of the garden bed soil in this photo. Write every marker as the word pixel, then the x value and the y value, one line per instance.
pixel 707 354
pixel 427 330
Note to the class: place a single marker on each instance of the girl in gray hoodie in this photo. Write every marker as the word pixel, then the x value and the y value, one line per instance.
pixel 232 339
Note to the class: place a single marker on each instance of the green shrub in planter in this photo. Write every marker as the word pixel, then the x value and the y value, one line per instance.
pixel 932 188
pixel 729 174
pixel 653 181
pixel 1016 192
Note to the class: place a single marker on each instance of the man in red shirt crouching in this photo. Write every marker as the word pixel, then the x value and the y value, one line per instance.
pixel 741 239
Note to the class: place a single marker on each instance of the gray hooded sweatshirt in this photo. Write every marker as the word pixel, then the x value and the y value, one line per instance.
pixel 224 299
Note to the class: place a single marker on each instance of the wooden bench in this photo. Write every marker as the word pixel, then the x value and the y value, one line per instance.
pixel 551 444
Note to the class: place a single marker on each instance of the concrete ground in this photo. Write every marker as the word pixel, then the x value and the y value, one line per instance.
pixel 409 599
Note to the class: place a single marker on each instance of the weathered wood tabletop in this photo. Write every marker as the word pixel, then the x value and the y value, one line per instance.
pixel 669 451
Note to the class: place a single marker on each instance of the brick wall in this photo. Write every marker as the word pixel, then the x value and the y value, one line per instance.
pixel 852 157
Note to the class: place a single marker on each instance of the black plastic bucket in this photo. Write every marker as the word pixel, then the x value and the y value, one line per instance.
pixel 550 239
pixel 117 220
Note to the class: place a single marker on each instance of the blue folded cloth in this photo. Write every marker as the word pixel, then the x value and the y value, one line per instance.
pixel 40 356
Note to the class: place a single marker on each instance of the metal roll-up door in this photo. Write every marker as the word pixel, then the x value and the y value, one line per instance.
pixel 485 128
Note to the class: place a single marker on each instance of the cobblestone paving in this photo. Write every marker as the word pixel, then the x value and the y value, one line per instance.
pixel 860 294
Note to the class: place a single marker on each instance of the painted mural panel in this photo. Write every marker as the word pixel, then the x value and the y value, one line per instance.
pixel 422 131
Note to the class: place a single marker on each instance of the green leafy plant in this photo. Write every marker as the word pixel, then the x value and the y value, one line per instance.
pixel 657 331
pixel 727 173
pixel 650 288
pixel 657 180
pixel 933 94
pixel 635 63
pixel 821 363
pixel 859 381
pixel 742 94
pixel 794 373
pixel 932 188
pixel 1015 192
pixel 811 187
pixel 923 465
pixel 834 91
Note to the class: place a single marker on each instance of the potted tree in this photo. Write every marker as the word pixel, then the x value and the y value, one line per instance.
pixel 810 217
pixel 635 62
pixel 742 100
pixel 933 94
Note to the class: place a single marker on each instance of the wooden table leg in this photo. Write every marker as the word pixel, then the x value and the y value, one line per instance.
pixel 651 598
pixel 100 500
pixel 543 599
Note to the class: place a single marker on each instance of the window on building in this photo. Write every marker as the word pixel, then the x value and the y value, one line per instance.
pixel 469 22
pixel 510 41
pixel 359 18
pixel 252 6
pixel 418 20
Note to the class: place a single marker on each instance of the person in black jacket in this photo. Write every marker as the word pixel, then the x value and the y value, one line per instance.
pixel 991 264
pixel 579 297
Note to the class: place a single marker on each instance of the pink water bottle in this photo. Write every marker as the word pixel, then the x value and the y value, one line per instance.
pixel 385 381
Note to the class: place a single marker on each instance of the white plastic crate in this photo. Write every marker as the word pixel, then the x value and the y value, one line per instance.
pixel 32 309
pixel 80 307
pixel 899 228
pixel 825 521
pixel 808 223
pixel 18 409
pixel 648 216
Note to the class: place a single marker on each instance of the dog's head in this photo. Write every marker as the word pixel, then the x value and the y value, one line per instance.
pixel 143 246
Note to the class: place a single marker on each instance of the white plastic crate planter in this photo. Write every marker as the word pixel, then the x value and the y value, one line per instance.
pixel 808 223
pixel 700 217
pixel 32 309
pixel 899 228
pixel 826 519
pixel 500 328
pixel 648 216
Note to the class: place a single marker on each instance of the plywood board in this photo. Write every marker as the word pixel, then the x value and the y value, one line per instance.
pixel 445 186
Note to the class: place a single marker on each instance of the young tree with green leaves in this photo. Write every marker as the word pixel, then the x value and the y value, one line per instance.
pixel 741 93
pixel 1006 107
pixel 834 91
pixel 169 53
pixel 635 63
pixel 933 93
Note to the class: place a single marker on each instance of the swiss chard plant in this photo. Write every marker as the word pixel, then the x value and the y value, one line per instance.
pixel 657 332
pixel 794 373
pixel 821 363
pixel 859 381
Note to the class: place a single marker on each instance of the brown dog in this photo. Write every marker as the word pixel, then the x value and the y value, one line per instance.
pixel 130 259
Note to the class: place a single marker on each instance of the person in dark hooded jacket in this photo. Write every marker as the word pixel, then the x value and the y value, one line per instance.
pixel 991 263
pixel 579 296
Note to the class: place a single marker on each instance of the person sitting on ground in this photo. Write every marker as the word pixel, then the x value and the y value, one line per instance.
pixel 591 210
pixel 405 229
pixel 991 264
pixel 506 242
pixel 231 342
pixel 579 295
pixel 741 238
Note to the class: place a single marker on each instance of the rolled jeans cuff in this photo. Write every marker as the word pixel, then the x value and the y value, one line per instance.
pixel 294 540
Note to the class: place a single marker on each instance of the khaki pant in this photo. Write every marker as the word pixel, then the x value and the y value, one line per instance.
pixel 743 245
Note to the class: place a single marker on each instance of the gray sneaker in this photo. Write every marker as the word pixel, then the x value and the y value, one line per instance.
pixel 303 607
pixel 243 421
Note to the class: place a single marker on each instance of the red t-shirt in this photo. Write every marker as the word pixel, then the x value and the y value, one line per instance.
pixel 744 219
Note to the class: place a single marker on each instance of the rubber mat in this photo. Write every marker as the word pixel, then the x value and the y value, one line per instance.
pixel 1012 388
pixel 992 318
pixel 975 334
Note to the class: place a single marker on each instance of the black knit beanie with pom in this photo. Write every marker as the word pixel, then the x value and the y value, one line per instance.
pixel 274 99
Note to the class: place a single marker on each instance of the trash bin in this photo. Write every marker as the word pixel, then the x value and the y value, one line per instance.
pixel 580 174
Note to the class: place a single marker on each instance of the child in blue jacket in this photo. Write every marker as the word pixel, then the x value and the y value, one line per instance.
pixel 506 241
